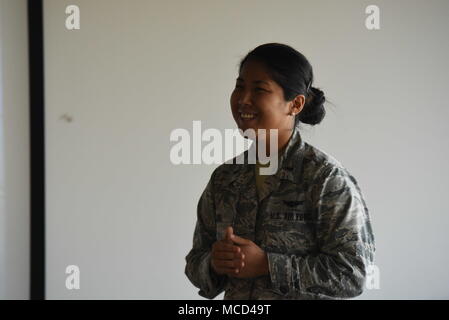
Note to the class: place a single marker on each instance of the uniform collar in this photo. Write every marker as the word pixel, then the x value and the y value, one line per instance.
pixel 290 162
pixel 289 166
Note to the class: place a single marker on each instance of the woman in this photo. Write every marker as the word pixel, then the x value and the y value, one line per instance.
pixel 301 233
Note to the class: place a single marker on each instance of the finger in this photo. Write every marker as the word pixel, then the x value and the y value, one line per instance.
pixel 224 246
pixel 239 240
pixel 228 271
pixel 235 272
pixel 228 263
pixel 239 256
pixel 229 233
pixel 225 255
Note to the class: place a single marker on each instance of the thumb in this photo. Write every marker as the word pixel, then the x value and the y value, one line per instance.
pixel 229 233
pixel 240 240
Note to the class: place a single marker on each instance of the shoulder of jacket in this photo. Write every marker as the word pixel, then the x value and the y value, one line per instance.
pixel 318 164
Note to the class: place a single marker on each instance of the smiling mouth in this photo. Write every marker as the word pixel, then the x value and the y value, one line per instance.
pixel 247 116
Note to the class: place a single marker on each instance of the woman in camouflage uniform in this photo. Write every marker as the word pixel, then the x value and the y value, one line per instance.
pixel 301 233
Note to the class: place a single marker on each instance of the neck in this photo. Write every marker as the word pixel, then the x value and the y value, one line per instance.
pixel 283 138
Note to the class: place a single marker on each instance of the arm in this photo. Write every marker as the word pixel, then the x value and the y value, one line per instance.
pixel 198 268
pixel 345 242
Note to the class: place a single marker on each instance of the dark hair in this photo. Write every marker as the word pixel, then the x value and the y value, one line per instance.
pixel 293 72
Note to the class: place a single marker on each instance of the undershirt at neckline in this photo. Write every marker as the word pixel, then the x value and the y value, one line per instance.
pixel 260 179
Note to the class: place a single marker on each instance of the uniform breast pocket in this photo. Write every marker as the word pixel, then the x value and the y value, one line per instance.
pixel 289 225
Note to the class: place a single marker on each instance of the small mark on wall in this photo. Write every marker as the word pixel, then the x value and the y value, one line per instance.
pixel 66 117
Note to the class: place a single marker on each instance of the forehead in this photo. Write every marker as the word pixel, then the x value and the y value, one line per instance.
pixel 254 70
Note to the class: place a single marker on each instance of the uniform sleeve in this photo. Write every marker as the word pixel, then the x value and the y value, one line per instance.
pixel 198 268
pixel 345 244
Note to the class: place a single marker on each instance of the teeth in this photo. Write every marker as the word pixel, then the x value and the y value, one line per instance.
pixel 247 115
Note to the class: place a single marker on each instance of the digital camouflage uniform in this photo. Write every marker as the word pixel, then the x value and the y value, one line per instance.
pixel 310 218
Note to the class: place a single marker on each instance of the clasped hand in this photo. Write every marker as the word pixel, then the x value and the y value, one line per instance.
pixel 238 257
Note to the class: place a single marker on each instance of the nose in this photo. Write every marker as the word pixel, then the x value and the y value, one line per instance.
pixel 244 99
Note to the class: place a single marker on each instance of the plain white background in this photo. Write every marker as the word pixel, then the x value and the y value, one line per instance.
pixel 136 70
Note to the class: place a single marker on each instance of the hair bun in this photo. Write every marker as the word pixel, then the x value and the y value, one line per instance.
pixel 313 111
pixel 318 96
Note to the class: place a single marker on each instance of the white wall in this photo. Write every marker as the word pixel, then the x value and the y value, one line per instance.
pixel 136 70
pixel 14 151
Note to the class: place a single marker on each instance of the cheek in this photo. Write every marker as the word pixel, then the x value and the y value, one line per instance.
pixel 273 114
pixel 233 101
pixel 268 107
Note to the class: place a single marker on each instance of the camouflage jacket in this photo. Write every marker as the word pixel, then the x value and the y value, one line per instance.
pixel 310 218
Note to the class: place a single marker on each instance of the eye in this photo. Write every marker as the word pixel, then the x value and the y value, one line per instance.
pixel 238 86
pixel 261 89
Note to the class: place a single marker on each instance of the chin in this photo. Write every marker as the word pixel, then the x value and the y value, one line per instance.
pixel 250 137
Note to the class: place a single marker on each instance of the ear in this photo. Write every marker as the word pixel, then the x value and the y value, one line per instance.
pixel 297 104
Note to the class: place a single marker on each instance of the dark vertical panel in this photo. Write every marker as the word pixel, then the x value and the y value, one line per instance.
pixel 37 151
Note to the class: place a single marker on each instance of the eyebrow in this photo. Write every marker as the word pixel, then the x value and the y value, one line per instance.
pixel 256 81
